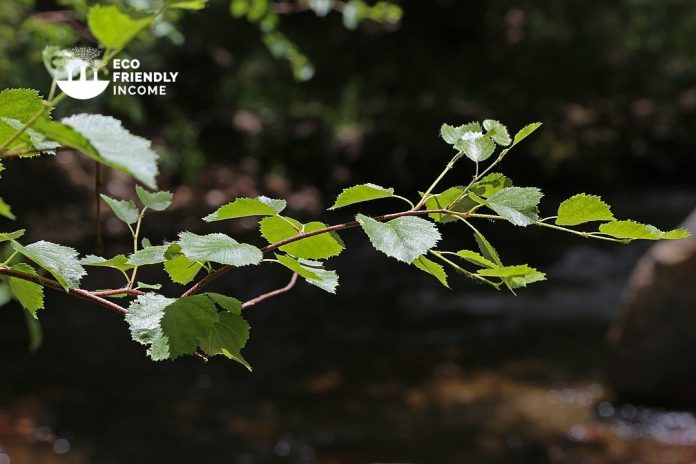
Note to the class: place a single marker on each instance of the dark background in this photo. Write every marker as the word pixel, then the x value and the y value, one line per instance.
pixel 393 368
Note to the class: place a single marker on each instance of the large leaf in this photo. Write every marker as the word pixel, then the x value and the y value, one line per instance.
pixel 144 316
pixel 404 238
pixel 125 210
pixel 29 294
pixel 114 145
pixel 516 204
pixel 361 193
pixel 227 337
pixel 181 269
pixel 186 321
pixel 321 246
pixel 218 248
pixel 61 261
pixel 632 230
pixel 583 208
pixel 115 28
pixel 156 201
pixel 452 134
pixel 434 269
pixel 245 207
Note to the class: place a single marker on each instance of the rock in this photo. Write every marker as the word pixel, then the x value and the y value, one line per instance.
pixel 654 341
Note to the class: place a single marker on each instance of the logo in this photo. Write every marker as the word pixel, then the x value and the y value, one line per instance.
pixel 76 72
pixel 72 66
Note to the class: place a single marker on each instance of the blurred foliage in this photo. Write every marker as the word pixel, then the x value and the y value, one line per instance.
pixel 612 81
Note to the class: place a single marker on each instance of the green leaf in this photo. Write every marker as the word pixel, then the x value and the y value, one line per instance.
pixel 20 104
pixel 186 321
pixel 497 132
pixel 404 238
pixel 277 228
pixel 125 210
pixel 515 276
pixel 476 258
pixel 59 260
pixel 113 145
pixel 487 250
pixel 327 279
pixel 218 248
pixel 452 134
pixel 5 210
pixel 18 107
pixel 226 302
pixel 148 255
pixel 144 316
pixel 491 184
pixel 634 230
pixel 432 268
pixel 516 204
pixel 295 266
pixel 188 4
pixel 181 269
pixel 7 236
pixel 525 132
pixel 119 262
pixel 583 208
pixel 361 193
pixel 245 207
pixel 144 286
pixel 227 337
pixel 29 294
pixel 476 146
pixel 115 28
pixel 156 201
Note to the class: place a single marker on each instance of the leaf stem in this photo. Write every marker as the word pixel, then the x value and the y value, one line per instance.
pixel 444 172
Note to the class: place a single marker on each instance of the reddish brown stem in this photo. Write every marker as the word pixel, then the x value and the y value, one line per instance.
pixel 348 225
pixel 273 293
pixel 118 291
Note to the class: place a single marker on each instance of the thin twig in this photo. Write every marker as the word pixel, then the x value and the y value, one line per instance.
pixel 273 293
pixel 118 291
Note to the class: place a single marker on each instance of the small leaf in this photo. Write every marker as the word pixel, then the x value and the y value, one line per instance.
pixel 491 184
pixel 5 210
pixel 508 271
pixel 432 268
pixel 476 258
pixel 227 337
pixel 487 250
pixel 497 132
pixel 29 294
pixel 295 266
pixel 583 208
pixel 361 193
pixel 7 236
pixel 476 146
pixel 119 262
pixel 61 261
pixel 328 279
pixel 125 210
pixel 188 4
pixel 245 207
pixel 634 230
pixel 114 28
pixel 516 204
pixel 452 134
pixel 156 201
pixel 404 238
pixel 148 255
pixel 321 246
pixel 525 132
pixel 449 196
pixel 181 269
pixel 218 248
